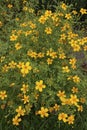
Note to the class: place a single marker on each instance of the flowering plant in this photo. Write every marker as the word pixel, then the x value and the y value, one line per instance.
pixel 39 69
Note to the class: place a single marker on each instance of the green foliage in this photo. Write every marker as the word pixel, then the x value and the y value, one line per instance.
pixel 41 75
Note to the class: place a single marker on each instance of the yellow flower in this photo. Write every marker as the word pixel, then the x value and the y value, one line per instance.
pixel 76 48
pixel 82 100
pixel 74 100
pixel 26 68
pixel 83 11
pixel 62 116
pixel 61 94
pixel 75 90
pixel 72 61
pixel 48 13
pixel 53 55
pixel 64 6
pixel 13 37
pixel 68 16
pixel 80 108
pixel 25 8
pixel 62 56
pixel 66 69
pixel 2 58
pixel 17 19
pixel 1 23
pixel 48 30
pixel 24 88
pixel 20 64
pixel 18 46
pixel 49 61
pixel 32 54
pixel 63 36
pixel 25 99
pixel 12 64
pixel 43 112
pixel 42 19
pixel 65 101
pixel 32 25
pixel 16 120
pixel 20 111
pixel 5 68
pixel 74 12
pixel 28 33
pixel 56 107
pixel 70 119
pixel 10 5
pixel 3 94
pixel 76 79
pixel 40 85
pixel 85 48
pixel 12 84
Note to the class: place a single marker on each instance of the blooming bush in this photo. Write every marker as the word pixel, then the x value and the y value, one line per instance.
pixel 41 75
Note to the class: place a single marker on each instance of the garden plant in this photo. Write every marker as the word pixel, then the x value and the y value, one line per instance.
pixel 43 68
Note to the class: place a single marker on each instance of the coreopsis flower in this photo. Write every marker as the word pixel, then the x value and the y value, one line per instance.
pixel 85 48
pixel 80 108
pixel 16 120
pixel 1 23
pixel 40 55
pixel 74 12
pixel 2 58
pixel 25 99
pixel 56 107
pixel 76 47
pixel 10 6
pixel 17 19
pixel 74 100
pixel 43 112
pixel 61 94
pixel 18 46
pixel 32 54
pixel 72 61
pixel 53 55
pixel 25 68
pixel 76 79
pixel 49 61
pixel 24 88
pixel 20 64
pixel 68 16
pixel 83 11
pixel 63 117
pixel 25 8
pixel 32 25
pixel 40 85
pixel 48 13
pixel 75 90
pixel 63 6
pixel 20 111
pixel 65 101
pixel 13 37
pixel 12 64
pixel 65 69
pixel 70 119
pixel 5 68
pixel 62 56
pixel 82 100
pixel 42 19
pixel 63 36
pixel 3 95
pixel 48 30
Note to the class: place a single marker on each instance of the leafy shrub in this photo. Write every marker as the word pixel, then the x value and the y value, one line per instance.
pixel 40 74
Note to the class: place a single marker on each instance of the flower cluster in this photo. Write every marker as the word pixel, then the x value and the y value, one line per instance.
pixel 40 71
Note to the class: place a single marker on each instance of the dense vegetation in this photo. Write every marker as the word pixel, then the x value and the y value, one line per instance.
pixel 43 68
